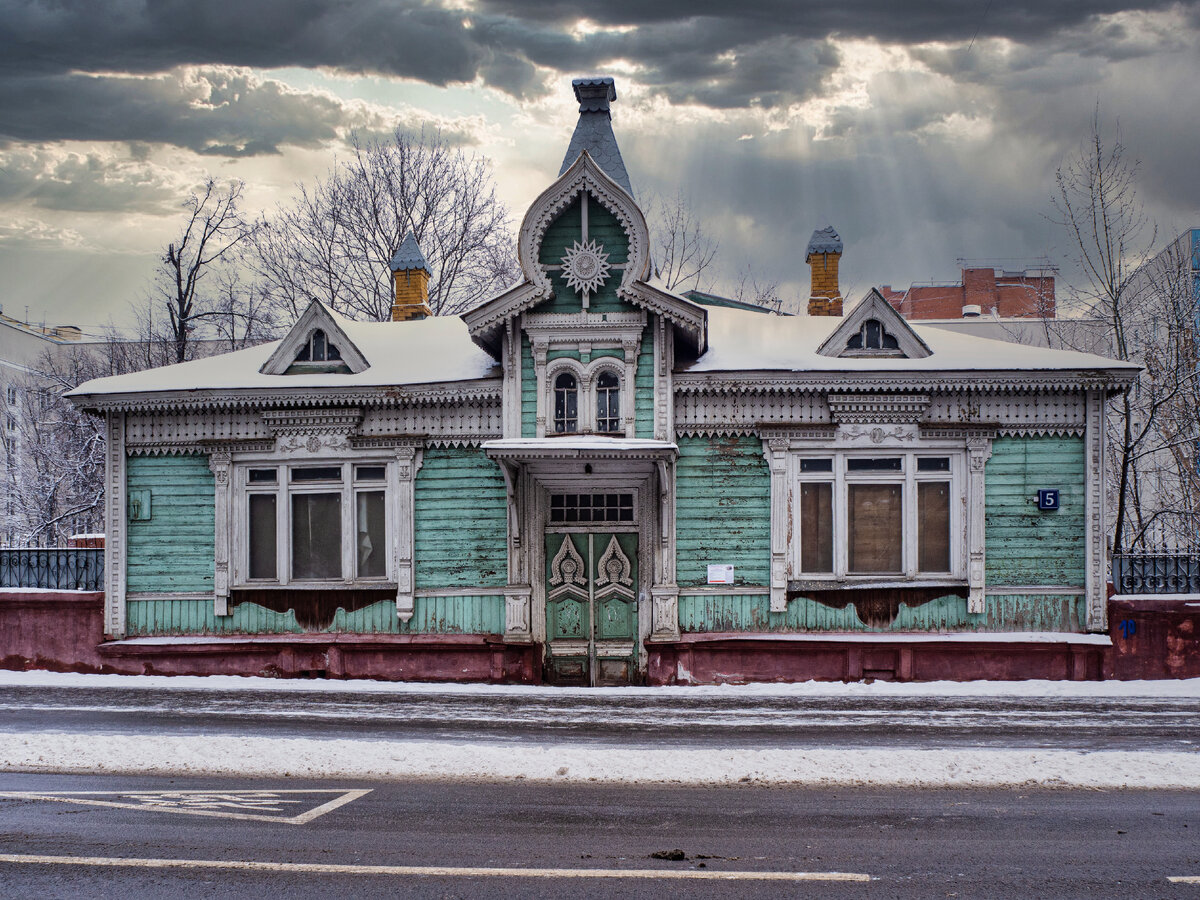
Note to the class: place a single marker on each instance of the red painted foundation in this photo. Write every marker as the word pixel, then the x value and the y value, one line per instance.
pixel 425 657
pixel 736 659
pixel 63 631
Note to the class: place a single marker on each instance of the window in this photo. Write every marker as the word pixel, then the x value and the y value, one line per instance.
pixel 872 336
pixel 297 519
pixel 318 349
pixel 572 508
pixel 875 515
pixel 566 404
pixel 10 422
pixel 10 393
pixel 608 402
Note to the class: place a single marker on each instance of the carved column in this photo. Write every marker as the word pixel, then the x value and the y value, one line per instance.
pixel 539 379
pixel 664 594
pixel 221 464
pixel 408 462
pixel 629 404
pixel 979 450
pixel 517 602
pixel 775 450
pixel 115 519
pixel 1095 565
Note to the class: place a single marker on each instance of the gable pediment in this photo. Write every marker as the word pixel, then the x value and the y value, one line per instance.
pixel 582 266
pixel 874 330
pixel 316 343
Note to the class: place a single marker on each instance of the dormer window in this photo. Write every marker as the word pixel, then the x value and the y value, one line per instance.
pixel 608 403
pixel 566 404
pixel 318 349
pixel 872 336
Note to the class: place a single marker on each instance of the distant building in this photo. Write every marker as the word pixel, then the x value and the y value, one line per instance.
pixel 983 289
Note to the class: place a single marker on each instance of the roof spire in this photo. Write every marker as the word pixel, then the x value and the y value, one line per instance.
pixel 593 132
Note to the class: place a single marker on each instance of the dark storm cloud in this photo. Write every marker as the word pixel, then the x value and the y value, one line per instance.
pixel 717 54
pixel 222 112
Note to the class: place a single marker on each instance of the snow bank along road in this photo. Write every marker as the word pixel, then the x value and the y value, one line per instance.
pixel 983 734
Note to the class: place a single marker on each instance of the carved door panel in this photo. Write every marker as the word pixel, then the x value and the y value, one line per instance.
pixel 591 607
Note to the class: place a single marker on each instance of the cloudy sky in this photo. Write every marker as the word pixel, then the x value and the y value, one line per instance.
pixel 924 131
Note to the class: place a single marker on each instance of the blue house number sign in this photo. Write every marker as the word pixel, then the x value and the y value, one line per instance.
pixel 1048 499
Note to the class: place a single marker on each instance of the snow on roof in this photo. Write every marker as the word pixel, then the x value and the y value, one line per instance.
pixel 587 443
pixel 424 351
pixel 739 340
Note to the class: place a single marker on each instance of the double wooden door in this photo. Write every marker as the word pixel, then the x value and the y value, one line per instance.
pixel 591 607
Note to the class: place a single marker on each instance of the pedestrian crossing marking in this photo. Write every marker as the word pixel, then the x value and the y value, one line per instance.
pixel 283 806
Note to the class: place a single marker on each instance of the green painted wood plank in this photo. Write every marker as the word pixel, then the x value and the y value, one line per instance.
pixel 173 550
pixel 723 496
pixel 460 520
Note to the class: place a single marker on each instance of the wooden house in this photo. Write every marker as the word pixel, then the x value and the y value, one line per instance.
pixel 590 479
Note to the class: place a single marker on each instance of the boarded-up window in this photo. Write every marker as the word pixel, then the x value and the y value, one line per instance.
pixel 816 527
pixel 316 537
pixel 933 526
pixel 874 525
pixel 263 536
pixel 371 527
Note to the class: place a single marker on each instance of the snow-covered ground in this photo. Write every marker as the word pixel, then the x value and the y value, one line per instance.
pixel 561 759
pixel 1186 688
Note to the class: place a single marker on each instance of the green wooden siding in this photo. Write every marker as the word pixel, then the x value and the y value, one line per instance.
pixel 461 521
pixel 751 613
pixel 477 614
pixel 1023 545
pixel 643 385
pixel 173 550
pixel 528 390
pixel 723 509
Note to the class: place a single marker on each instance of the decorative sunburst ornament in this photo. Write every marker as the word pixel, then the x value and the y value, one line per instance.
pixel 585 266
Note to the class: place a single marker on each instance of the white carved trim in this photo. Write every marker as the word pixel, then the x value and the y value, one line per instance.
pixel 404 474
pixel 316 316
pixel 1095 567
pixel 931 381
pixel 775 450
pixel 220 462
pixel 874 407
pixel 979 450
pixel 115 525
pixel 518 601
pixel 321 420
pixel 875 307
pixel 665 613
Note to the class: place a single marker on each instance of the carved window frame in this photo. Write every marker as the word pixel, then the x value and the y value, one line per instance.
pixel 586 375
pixel 284 490
pixel 841 478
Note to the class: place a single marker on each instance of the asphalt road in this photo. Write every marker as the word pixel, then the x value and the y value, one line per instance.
pixel 739 720
pixel 532 840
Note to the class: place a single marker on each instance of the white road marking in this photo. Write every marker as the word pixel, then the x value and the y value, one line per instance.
pixel 200 803
pixel 442 871
pixel 1184 879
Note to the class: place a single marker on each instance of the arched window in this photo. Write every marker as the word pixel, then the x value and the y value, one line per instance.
pixel 608 402
pixel 318 349
pixel 566 404
pixel 872 337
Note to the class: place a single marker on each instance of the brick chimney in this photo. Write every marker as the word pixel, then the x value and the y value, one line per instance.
pixel 824 252
pixel 411 274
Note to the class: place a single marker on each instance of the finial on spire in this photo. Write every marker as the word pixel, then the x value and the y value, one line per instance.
pixel 593 132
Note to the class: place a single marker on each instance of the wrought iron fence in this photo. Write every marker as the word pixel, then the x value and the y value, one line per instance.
pixel 62 568
pixel 1156 573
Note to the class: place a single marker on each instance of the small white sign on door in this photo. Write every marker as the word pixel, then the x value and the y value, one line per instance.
pixel 720 574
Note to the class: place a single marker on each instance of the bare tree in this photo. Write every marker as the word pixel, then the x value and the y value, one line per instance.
pixel 683 251
pixel 215 231
pixel 750 289
pixel 53 454
pixel 336 239
pixel 1097 202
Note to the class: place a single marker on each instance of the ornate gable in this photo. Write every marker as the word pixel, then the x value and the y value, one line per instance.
pixel 316 343
pixel 873 330
pixel 586 263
